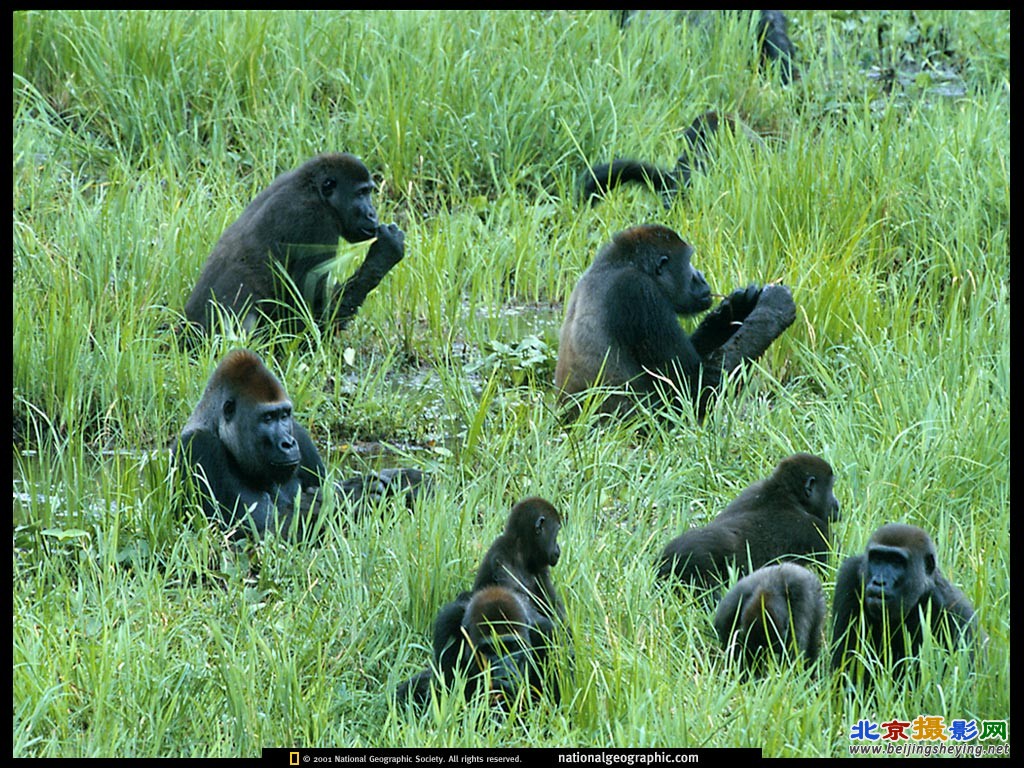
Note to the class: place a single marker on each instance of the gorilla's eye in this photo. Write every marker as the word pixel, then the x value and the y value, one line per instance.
pixel 328 186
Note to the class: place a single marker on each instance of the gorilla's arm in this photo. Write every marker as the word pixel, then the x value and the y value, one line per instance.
pixel 847 608
pixel 600 179
pixel 952 612
pixel 449 642
pixel 772 313
pixel 386 251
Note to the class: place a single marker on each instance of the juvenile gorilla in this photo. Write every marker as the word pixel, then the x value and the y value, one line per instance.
pixel 621 327
pixel 294 225
pixel 256 468
pixel 778 609
pixel 786 515
pixel 883 595
pixel 500 634
pixel 514 579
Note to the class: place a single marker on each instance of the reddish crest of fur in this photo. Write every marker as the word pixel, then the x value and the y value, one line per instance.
pixel 653 235
pixel 903 535
pixel 499 610
pixel 632 244
pixel 246 374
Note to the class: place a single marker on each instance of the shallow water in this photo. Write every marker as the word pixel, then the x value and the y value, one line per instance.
pixel 42 499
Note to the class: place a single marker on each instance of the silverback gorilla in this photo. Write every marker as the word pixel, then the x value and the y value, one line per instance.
pixel 294 225
pixel 621 327
pixel 883 596
pixel 256 468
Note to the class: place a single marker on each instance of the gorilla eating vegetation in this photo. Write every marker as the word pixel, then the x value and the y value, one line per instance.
pixel 778 609
pixel 255 467
pixel 786 515
pixel 883 596
pixel 294 225
pixel 621 327
pixel 509 620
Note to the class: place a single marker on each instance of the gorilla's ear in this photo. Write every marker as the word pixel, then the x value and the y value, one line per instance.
pixel 229 409
pixel 809 486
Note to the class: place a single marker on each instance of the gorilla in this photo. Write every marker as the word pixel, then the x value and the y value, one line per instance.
pixel 593 183
pixel 786 516
pixel 771 34
pixel 256 468
pixel 774 45
pixel 293 226
pixel 883 596
pixel 514 580
pixel 498 624
pixel 496 634
pixel 777 609
pixel 621 326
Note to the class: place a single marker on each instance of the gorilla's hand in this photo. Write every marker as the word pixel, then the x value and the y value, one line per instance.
pixel 740 303
pixel 719 325
pixel 362 488
pixel 388 250
pixel 372 487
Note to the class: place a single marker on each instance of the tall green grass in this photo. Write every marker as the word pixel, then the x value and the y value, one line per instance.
pixel 883 202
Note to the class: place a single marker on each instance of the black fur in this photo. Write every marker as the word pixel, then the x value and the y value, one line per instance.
pixel 596 182
pixel 621 327
pixel 784 516
pixel 294 225
pixel 255 468
pixel 518 562
pixel 883 595
pixel 771 33
pixel 774 45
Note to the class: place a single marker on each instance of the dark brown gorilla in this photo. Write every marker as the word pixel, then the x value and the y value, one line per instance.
pixel 774 45
pixel 594 183
pixel 621 327
pixel 255 468
pixel 293 226
pixel 778 609
pixel 771 35
pixel 784 516
pixel 518 562
pixel 499 634
pixel 884 595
